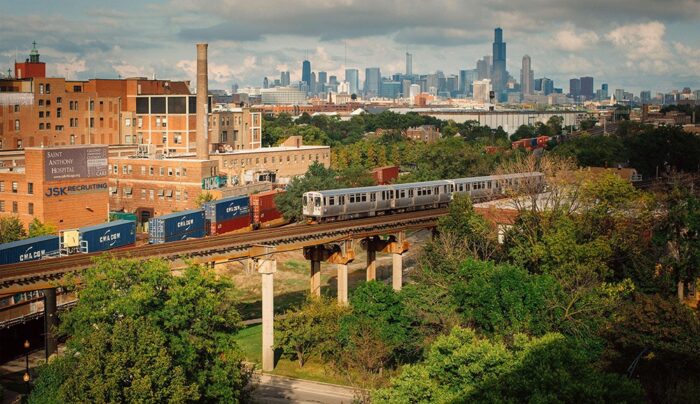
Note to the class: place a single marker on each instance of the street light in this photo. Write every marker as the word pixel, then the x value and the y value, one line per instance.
pixel 26 376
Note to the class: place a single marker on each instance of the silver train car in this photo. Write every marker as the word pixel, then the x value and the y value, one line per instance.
pixel 351 203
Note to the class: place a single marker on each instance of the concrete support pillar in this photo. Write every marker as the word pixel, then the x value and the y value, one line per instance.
pixel 371 262
pixel 315 278
pixel 50 322
pixel 267 268
pixel 396 271
pixel 343 284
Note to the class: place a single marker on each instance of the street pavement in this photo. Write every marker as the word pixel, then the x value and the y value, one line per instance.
pixel 279 389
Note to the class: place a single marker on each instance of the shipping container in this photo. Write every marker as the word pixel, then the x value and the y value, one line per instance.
pixel 198 233
pixel 107 236
pixel 122 216
pixel 28 249
pixel 230 225
pixel 264 207
pixel 226 209
pixel 171 226
pixel 533 142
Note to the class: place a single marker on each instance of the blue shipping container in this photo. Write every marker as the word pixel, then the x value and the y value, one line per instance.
pixel 177 237
pixel 533 142
pixel 228 208
pixel 28 250
pixel 107 236
pixel 168 226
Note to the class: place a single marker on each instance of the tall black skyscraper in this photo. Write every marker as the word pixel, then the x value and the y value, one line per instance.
pixel 306 74
pixel 499 76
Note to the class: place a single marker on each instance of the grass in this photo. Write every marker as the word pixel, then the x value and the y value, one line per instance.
pixel 249 340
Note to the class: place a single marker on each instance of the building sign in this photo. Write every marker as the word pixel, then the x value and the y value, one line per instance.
pixel 84 162
pixel 76 189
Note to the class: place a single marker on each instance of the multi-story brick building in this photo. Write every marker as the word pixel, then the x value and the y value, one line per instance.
pixel 235 129
pixel 62 186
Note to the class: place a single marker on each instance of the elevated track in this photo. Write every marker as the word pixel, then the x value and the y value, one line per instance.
pixel 46 273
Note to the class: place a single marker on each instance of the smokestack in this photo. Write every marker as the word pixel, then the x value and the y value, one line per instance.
pixel 202 103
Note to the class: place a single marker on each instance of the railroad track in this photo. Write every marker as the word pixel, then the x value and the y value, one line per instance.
pixel 234 245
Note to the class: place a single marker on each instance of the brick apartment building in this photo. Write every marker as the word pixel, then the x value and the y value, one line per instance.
pixel 63 186
pixel 235 129
pixel 425 133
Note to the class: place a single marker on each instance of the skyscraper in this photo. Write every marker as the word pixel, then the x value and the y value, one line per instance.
pixel 352 76
pixel 306 74
pixel 575 88
pixel 527 76
pixel 312 84
pixel 284 79
pixel 466 77
pixel 373 81
pixel 587 87
pixel 483 68
pixel 409 64
pixel 322 77
pixel 499 74
pixel 645 97
pixel 604 91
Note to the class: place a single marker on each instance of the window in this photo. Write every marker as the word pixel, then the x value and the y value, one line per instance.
pixel 352 198
pixel 165 138
pixel 72 140
pixel 124 169
pixel 30 208
pixel 185 196
pixel 30 188
pixel 143 194
pixel 177 195
pixel 59 100
pixel 2 186
pixel 177 172
pixel 331 201
pixel 16 107
pixel 115 169
pixel 373 197
pixel 41 89
pixel 170 172
pixel 364 197
pixel 150 170
pixel 15 207
pixel 15 187
pixel 151 194
pixel 92 105
pixel 113 190
pixel 2 206
pixel 162 171
pixel 184 172
pixel 92 122
pixel 16 124
pixel 140 123
pixel 48 88
pixel 127 122
pixel 58 112
pixel 143 170
pixel 41 103
pixel 41 114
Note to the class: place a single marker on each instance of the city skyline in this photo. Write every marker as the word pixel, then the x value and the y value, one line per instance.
pixel 649 47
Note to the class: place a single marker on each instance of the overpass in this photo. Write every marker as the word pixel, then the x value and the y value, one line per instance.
pixel 330 242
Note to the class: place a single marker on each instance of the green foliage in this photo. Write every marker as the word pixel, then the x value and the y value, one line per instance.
pixel 462 367
pixel 523 132
pixel 504 299
pixel 188 323
pixel 11 229
pixel 37 228
pixel 317 178
pixel 432 308
pixel 378 310
pixel 593 151
pixel 665 335
pixel 310 330
pixel 204 197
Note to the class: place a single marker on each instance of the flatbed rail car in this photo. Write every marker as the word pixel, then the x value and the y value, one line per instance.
pixel 351 203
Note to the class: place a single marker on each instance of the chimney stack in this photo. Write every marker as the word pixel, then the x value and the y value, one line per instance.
pixel 202 103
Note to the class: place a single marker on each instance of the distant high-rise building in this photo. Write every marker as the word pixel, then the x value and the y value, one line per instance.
pixel 266 83
pixel 234 88
pixel 645 97
pixel 409 64
pixel 527 76
pixel 406 88
pixel 322 77
pixel 466 77
pixel 587 87
pixel 413 91
pixel 483 68
pixel 352 76
pixel 373 81
pixel 313 84
pixel 306 74
pixel 390 89
pixel 499 75
pixel 544 85
pixel 284 79
pixel 482 89
pixel 575 88
pixel 619 94
pixel 604 91
pixel 452 85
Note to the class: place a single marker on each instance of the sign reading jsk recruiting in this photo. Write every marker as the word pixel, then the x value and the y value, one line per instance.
pixel 83 162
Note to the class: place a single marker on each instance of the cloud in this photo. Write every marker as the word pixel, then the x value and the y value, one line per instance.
pixel 68 69
pixel 568 39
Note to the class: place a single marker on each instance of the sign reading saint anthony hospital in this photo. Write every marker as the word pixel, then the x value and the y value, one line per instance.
pixel 82 162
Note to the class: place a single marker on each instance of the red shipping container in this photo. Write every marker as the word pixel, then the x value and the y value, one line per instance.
pixel 263 206
pixel 230 225
pixel 542 140
pixel 385 175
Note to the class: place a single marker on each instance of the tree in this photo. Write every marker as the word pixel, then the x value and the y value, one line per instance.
pixel 555 123
pixel 593 151
pixel 11 229
pixel 462 367
pixel 523 132
pixel 189 322
pixel 204 197
pixel 37 228
pixel 310 330
pixel 317 178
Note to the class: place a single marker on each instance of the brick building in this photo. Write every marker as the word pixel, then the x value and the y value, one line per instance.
pixel 425 133
pixel 235 129
pixel 62 186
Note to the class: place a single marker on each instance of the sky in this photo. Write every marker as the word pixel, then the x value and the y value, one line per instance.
pixel 631 44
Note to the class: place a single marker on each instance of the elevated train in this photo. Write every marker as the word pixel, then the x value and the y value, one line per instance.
pixel 352 203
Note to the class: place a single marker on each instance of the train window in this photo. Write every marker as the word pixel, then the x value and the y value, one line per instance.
pixel 461 187
pixel 317 201
pixel 352 198
pixel 331 201
pixel 437 190
pixel 305 200
pixel 383 195
pixel 341 200
pixel 373 197
pixel 364 197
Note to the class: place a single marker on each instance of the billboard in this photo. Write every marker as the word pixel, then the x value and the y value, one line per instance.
pixel 83 162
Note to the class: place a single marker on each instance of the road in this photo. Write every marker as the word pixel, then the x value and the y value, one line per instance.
pixel 278 389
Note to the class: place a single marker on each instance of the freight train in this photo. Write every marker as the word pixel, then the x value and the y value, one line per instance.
pixel 237 213
pixel 351 203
